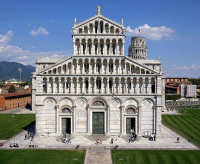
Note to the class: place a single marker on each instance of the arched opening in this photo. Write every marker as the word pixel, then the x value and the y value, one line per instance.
pixel 98 84
pixel 96 27
pixel 85 29
pixel 101 27
pixel 80 31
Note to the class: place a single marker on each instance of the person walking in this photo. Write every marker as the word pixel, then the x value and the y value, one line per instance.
pixel 129 139
pixel 69 139
pixel 101 140
pixel 112 141
pixel 177 139
pixel 66 140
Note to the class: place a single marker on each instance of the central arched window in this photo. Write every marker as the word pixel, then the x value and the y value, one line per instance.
pixel 130 110
pixel 98 103
pixel 66 110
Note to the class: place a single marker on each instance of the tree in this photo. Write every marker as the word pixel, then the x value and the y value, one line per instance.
pixel 1 85
pixel 11 89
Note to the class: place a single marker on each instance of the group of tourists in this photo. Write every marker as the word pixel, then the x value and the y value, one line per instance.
pixel 132 137
pixel 32 145
pixel 2 144
pixel 152 137
pixel 14 145
pixel 29 135
pixel 98 141
pixel 66 140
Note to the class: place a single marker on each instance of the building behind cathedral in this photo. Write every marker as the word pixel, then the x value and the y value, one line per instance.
pixel 99 90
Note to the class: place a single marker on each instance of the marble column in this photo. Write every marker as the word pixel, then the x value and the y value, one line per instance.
pixel 107 86
pixel 120 87
pixel 107 67
pixel 95 86
pixel 122 119
pixel 132 86
pixel 110 48
pixel 137 86
pixel 89 91
pixel 98 49
pixel 116 53
pixel 95 67
pixel 83 87
pixel 120 67
pixel 104 47
pixel 143 85
pixel 81 49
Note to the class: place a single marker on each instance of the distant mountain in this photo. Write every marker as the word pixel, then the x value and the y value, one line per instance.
pixel 9 70
pixel 31 67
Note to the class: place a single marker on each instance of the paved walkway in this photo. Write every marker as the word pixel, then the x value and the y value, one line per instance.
pixel 98 157
pixel 165 141
pixel 170 112
pixel 18 111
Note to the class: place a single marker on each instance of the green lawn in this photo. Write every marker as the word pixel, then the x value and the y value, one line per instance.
pixel 155 157
pixel 187 124
pixel 10 126
pixel 41 156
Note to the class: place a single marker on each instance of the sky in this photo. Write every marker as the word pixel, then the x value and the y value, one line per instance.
pixel 42 28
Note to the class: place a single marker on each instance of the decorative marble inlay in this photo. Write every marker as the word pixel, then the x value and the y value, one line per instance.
pixel 115 103
pixel 50 103
pixel 81 103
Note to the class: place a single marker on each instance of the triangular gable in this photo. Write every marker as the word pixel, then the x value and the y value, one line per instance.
pixel 95 17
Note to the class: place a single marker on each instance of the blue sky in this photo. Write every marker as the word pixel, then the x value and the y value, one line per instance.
pixel 35 27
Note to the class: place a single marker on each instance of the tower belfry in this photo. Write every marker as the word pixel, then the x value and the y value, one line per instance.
pixel 138 48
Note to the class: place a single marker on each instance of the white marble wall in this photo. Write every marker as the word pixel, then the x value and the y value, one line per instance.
pixel 48 118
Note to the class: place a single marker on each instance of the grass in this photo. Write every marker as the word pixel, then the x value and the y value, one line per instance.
pixel 41 156
pixel 187 124
pixel 10 126
pixel 155 157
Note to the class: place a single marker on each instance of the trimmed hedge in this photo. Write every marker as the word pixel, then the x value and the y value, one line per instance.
pixel 172 97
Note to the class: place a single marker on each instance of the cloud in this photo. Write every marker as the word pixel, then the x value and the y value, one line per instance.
pixel 152 33
pixel 6 38
pixel 192 71
pixel 39 31
pixel 16 54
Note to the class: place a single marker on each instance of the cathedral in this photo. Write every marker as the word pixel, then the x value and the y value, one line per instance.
pixel 99 90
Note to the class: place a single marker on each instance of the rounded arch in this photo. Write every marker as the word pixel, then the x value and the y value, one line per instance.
pixel 132 101
pixel 148 100
pixel 62 100
pixel 131 109
pixel 99 99
pixel 66 109
pixel 49 98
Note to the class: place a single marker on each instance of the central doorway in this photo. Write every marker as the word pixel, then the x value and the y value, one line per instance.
pixel 130 124
pixel 98 122
pixel 66 125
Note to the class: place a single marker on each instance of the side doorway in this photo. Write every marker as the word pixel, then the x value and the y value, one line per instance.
pixel 130 124
pixel 66 125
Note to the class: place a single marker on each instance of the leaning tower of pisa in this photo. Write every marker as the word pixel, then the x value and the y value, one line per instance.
pixel 138 48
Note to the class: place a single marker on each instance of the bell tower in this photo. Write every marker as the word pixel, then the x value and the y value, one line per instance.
pixel 138 48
